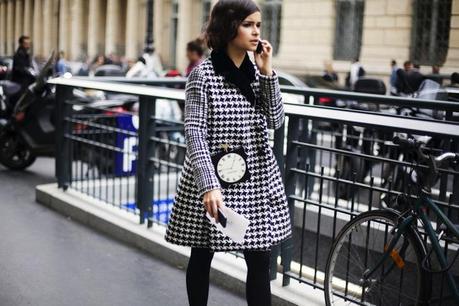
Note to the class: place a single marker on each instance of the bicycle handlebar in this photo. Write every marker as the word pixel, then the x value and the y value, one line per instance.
pixel 411 145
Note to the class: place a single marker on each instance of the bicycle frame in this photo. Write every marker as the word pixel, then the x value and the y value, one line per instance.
pixel 421 205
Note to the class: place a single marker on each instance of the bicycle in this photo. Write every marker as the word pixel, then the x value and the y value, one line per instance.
pixel 380 258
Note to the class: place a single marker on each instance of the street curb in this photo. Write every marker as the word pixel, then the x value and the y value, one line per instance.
pixel 227 271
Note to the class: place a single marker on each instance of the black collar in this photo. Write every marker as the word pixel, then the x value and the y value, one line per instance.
pixel 241 77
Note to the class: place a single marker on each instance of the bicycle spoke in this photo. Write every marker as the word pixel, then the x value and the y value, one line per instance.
pixel 361 248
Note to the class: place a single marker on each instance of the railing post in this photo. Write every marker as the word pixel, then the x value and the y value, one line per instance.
pixel 455 195
pixel 290 187
pixel 145 167
pixel 286 247
pixel 63 143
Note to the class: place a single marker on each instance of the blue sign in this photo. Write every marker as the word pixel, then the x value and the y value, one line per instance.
pixel 161 209
pixel 126 162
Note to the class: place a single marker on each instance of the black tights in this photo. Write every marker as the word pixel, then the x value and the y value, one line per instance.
pixel 258 291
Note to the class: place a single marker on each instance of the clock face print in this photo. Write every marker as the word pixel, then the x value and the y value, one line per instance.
pixel 231 167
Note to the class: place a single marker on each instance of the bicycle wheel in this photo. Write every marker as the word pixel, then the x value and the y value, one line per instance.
pixel 399 280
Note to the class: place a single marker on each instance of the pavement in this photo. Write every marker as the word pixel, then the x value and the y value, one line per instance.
pixel 49 259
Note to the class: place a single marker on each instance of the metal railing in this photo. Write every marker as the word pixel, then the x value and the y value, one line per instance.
pixel 341 162
pixel 336 162
pixel 114 155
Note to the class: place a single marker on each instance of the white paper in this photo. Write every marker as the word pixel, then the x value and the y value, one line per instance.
pixel 236 224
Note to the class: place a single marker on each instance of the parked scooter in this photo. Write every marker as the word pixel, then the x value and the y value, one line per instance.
pixel 10 92
pixel 27 128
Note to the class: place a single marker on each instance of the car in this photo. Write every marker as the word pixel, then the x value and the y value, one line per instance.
pixel 109 70
pixel 287 79
pixel 290 80
pixel 314 81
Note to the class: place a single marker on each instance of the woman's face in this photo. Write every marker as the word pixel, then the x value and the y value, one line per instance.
pixel 248 33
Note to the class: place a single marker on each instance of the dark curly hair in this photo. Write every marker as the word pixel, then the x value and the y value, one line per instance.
pixel 195 46
pixel 225 19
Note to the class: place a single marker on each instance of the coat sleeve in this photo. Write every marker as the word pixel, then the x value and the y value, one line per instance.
pixel 271 100
pixel 196 133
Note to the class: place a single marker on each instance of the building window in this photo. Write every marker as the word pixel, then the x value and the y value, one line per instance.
pixel 174 30
pixel 348 30
pixel 271 23
pixel 206 6
pixel 430 31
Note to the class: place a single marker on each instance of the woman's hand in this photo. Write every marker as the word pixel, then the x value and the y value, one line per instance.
pixel 264 60
pixel 212 201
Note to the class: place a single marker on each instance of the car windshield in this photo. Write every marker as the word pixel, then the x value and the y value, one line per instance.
pixel 284 81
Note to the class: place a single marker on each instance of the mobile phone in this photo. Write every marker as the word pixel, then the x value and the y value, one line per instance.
pixel 259 47
pixel 221 218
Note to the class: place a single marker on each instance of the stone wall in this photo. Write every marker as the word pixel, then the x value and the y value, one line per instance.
pixel 89 27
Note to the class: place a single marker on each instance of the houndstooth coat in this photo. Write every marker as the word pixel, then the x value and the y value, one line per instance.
pixel 217 113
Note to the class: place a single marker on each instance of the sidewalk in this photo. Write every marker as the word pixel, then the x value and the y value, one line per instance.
pixel 227 270
pixel 47 259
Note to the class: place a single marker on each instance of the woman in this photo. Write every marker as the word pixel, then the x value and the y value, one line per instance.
pixel 194 54
pixel 231 103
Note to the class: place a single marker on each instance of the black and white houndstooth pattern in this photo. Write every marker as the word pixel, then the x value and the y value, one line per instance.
pixel 217 113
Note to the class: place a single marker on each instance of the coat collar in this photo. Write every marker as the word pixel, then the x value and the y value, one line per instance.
pixel 241 77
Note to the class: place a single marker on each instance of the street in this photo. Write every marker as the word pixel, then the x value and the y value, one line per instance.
pixel 48 259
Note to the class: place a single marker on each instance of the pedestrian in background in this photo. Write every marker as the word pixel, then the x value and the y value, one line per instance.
pixel 329 74
pixel 147 66
pixel 415 77
pixel 435 75
pixel 409 78
pixel 356 72
pixel 61 64
pixel 98 61
pixel 407 66
pixel 393 76
pixel 230 104
pixel 24 67
pixel 194 53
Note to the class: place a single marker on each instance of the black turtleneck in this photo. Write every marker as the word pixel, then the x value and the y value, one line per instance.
pixel 241 77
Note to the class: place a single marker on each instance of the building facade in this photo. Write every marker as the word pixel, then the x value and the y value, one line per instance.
pixel 375 31
pixel 305 33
